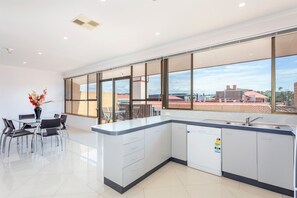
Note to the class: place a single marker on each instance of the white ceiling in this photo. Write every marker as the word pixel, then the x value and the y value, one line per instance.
pixel 127 26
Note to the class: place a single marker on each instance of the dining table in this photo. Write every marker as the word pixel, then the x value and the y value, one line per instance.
pixel 34 122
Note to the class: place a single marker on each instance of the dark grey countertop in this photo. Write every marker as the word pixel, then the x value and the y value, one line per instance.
pixel 128 126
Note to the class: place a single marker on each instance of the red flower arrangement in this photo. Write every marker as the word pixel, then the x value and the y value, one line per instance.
pixel 38 100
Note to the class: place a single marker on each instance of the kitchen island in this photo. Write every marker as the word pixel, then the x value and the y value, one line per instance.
pixel 134 149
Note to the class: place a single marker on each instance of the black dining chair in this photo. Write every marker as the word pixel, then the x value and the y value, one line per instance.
pixel 4 131
pixel 27 116
pixel 63 122
pixel 49 128
pixel 57 116
pixel 14 133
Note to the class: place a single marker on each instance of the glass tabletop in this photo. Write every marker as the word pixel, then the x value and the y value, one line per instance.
pixel 32 121
pixel 27 121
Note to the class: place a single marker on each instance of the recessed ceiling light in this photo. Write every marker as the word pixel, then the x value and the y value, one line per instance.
pixel 242 4
pixel 39 53
pixel 24 62
pixel 65 38
pixel 157 33
pixel 103 0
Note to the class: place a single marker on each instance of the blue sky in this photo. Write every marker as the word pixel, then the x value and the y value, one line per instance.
pixel 250 75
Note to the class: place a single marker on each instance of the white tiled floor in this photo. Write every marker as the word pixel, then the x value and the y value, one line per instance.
pixel 76 172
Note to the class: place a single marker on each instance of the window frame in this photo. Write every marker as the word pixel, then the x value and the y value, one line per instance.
pixel 164 74
pixel 146 99
pixel 167 85
pixel 87 100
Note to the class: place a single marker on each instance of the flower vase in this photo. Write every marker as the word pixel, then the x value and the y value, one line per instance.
pixel 37 111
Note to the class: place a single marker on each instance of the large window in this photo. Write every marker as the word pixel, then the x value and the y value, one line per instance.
pixel 68 96
pixel 147 89
pixel 179 82
pixel 115 96
pixel 254 76
pixel 81 95
pixel 234 78
pixel 286 73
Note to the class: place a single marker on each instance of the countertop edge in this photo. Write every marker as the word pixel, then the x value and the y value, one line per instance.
pixel 196 123
pixel 126 131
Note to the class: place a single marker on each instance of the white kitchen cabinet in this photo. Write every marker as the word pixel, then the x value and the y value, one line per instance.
pixel 157 145
pixel 179 141
pixel 166 141
pixel 239 152
pixel 276 159
pixel 128 157
pixel 124 157
pixel 153 139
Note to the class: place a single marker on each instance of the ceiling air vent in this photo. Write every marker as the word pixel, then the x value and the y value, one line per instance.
pixel 85 22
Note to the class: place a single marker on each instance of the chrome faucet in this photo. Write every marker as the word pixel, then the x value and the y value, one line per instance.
pixel 248 120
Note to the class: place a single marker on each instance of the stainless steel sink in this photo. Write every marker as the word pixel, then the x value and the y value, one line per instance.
pixel 265 126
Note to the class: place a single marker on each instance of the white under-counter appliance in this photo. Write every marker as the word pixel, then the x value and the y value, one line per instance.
pixel 204 149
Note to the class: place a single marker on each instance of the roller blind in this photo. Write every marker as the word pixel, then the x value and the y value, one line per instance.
pixel 139 70
pixel 179 63
pixel 234 53
pixel 154 67
pixel 116 73
pixel 286 45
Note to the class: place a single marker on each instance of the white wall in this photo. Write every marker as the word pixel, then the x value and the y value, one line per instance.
pixel 264 25
pixel 80 122
pixel 17 82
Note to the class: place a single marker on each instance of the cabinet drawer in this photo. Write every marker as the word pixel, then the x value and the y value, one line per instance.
pixel 133 137
pixel 134 157
pixel 133 147
pixel 133 172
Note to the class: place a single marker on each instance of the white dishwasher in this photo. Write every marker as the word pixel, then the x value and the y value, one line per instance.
pixel 204 149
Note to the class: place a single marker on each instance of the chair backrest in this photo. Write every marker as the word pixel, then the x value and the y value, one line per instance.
pixel 26 116
pixel 10 124
pixel 5 125
pixel 50 123
pixel 5 122
pixel 57 116
pixel 63 118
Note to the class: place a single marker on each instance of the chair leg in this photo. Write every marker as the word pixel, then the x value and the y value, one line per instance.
pixel 57 141
pixel 61 138
pixel 41 144
pixel 9 146
pixel 27 142
pixel 32 143
pixel 67 133
pixel 1 141
pixel 4 144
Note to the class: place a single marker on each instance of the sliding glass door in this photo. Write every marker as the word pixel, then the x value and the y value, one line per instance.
pixel 106 101
pixel 122 99
pixel 115 100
